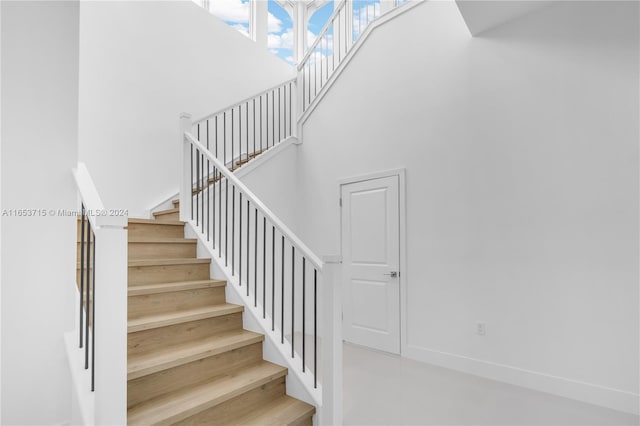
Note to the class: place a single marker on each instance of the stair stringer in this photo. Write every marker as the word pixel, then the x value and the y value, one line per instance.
pixel 297 382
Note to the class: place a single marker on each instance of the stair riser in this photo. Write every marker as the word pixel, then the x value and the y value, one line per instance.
pixel 177 300
pixel 168 273
pixel 153 250
pixel 225 413
pixel 154 385
pixel 157 338
pixel 161 250
pixel 144 230
pixel 308 421
pixel 167 216
pixel 151 230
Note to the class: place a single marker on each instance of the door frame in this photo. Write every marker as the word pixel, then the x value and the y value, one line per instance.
pixel 402 215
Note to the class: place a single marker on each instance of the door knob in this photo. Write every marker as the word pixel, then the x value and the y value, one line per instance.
pixel 393 274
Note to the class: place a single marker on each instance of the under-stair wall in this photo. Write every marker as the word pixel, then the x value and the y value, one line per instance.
pixel 520 150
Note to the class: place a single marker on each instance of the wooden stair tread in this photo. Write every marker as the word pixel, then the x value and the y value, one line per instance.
pixel 168 211
pixel 163 240
pixel 148 322
pixel 156 221
pixel 283 411
pixel 144 364
pixel 186 402
pixel 139 290
pixel 160 262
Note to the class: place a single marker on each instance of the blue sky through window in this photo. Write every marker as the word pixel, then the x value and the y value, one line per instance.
pixel 280 26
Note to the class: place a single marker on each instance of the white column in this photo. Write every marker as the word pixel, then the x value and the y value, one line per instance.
pixel 258 21
pixel 110 325
pixel 331 410
pixel 185 184
pixel 300 23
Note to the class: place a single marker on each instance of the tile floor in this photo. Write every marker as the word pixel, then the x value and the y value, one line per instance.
pixel 382 389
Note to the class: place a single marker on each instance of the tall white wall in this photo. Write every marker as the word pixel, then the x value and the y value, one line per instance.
pixel 39 148
pixel 142 63
pixel 521 151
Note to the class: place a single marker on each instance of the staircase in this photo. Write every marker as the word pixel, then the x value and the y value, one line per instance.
pixel 180 348
pixel 189 359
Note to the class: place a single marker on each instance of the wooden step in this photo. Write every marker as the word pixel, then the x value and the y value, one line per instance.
pixel 154 339
pixel 161 248
pixel 173 356
pixel 174 286
pixel 165 270
pixel 176 203
pixel 170 214
pixel 230 411
pixel 189 401
pixel 170 318
pixel 246 159
pixel 191 374
pixel 143 228
pixel 155 248
pixel 283 411
pixel 179 300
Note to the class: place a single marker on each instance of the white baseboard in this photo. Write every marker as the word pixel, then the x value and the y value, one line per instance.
pixel 615 399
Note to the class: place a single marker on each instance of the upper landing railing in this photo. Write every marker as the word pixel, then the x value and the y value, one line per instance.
pixel 349 23
pixel 239 133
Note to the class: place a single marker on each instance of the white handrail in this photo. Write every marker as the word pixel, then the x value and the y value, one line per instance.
pixel 336 11
pixel 244 101
pixel 97 214
pixel 288 234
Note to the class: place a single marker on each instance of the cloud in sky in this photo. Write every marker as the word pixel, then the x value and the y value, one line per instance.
pixel 244 29
pixel 364 15
pixel 285 39
pixel 237 12
pixel 280 33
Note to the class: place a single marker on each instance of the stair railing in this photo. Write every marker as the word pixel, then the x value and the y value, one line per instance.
pixel 102 298
pixel 347 24
pixel 237 134
pixel 283 283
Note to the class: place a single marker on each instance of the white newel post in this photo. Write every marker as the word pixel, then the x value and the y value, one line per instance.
pixel 110 325
pixel 185 184
pixel 331 412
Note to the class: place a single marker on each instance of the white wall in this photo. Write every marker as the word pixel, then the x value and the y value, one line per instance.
pixel 39 148
pixel 281 169
pixel 521 150
pixel 142 63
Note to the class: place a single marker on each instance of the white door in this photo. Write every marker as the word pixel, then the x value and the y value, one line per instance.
pixel 371 257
